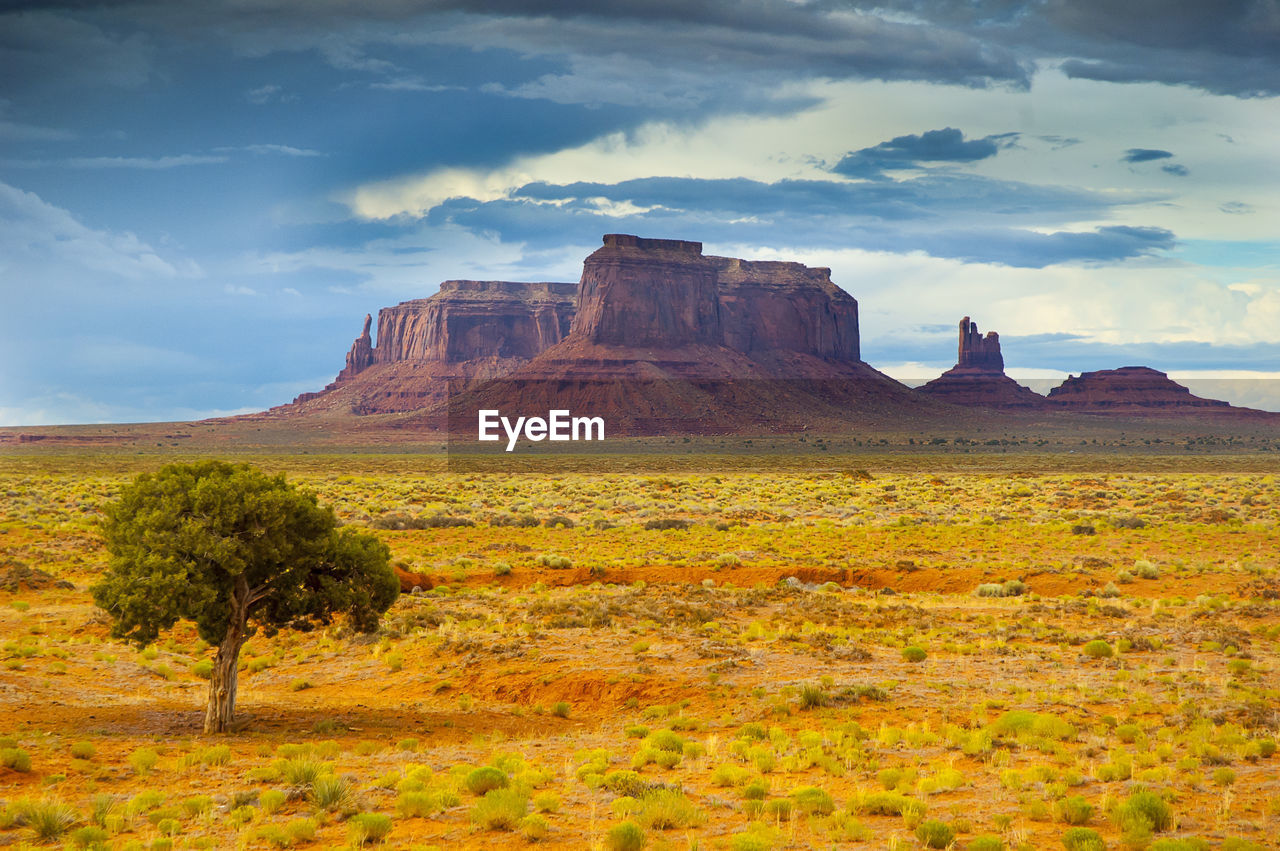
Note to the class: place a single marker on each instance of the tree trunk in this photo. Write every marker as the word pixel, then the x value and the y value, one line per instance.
pixel 222 684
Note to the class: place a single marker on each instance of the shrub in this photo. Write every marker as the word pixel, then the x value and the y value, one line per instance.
pixel 83 750
pixel 332 793
pixel 143 760
pixel 627 836
pixel 935 834
pixel 368 827
pixel 202 668
pixel 560 709
pixel 48 819
pixel 813 695
pixel 534 828
pixel 811 800
pixel 554 562
pixel 1074 810
pixel 1148 806
pixel 90 836
pixel 16 759
pixel 663 809
pixel 985 843
pixel 1098 649
pixel 272 800
pixel 662 524
pixel 546 802
pixel 481 781
pixel 302 771
pixel 1145 570
pixel 500 809
pixel 914 653
pixel 1083 839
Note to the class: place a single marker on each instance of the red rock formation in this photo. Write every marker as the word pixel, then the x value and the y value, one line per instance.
pixel 469 329
pixel 1131 389
pixel 648 292
pixel 771 306
pixel 661 334
pixel 978 377
pixel 978 352
pixel 472 320
pixel 667 340
pixel 361 354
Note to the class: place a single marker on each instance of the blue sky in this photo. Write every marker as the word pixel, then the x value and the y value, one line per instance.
pixel 200 202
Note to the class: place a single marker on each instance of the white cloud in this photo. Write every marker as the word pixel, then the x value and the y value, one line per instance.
pixel 36 235
pixel 144 162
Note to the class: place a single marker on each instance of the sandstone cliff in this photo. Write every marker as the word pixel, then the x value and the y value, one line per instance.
pixel 978 377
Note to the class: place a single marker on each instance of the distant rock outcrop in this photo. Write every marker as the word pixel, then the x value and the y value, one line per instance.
pixel 1131 389
pixel 655 331
pixel 978 377
pixel 469 329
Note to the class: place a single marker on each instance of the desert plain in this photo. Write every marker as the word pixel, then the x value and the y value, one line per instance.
pixel 812 644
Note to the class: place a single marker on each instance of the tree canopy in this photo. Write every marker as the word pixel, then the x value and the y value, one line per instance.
pixel 234 550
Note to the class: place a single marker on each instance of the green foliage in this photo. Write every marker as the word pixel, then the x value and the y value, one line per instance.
pixel 48 819
pixel 1074 810
pixel 914 654
pixel 83 750
pixel 16 759
pixel 811 800
pixel 500 809
pixel 1145 806
pixel 182 540
pixel 483 780
pixel 935 834
pixel 1083 839
pixel 333 793
pixel 627 836
pixel 368 827
pixel 985 843
pixel 143 760
pixel 1098 649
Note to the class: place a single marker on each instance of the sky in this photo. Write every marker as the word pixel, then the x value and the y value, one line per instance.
pixel 199 202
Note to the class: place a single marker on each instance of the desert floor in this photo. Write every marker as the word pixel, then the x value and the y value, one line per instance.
pixel 858 652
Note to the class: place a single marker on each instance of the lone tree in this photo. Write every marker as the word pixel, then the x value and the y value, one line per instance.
pixel 234 550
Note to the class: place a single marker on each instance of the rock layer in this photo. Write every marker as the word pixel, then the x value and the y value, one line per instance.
pixel 1130 389
pixel 978 377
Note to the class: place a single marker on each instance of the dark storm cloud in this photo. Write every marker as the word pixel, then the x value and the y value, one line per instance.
pixel 932 146
pixel 953 216
pixel 1142 155
pixel 1230 47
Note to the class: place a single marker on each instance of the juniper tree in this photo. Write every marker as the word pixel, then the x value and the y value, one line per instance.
pixel 235 551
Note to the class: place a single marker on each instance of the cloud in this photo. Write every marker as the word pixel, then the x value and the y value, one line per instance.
pixel 947 145
pixel 283 150
pixel 965 217
pixel 1142 155
pixel 1236 208
pixel 270 93
pixel 34 233
pixel 1175 169
pixel 149 163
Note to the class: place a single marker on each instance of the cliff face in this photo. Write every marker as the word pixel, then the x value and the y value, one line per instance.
pixel 468 320
pixel 648 292
pixel 771 306
pixel 1131 389
pixel 978 377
